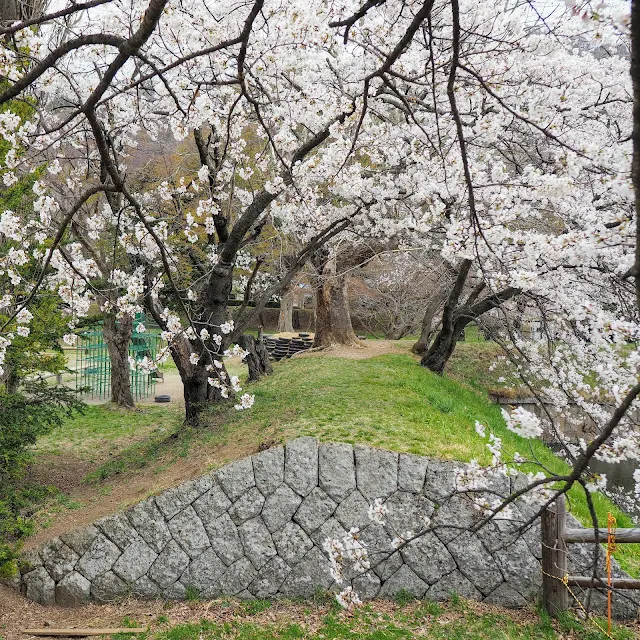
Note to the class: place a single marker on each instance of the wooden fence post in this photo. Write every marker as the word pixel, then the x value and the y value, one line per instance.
pixel 554 558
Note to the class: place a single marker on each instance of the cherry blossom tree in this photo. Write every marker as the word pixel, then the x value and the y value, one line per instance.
pixel 535 135
pixel 499 137
pixel 114 75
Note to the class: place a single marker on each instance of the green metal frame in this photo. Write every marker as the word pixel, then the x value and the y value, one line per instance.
pixel 93 365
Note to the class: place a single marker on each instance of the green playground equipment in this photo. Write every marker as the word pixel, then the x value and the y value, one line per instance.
pixel 93 365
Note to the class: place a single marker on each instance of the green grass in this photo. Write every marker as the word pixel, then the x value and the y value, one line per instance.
pixel 388 401
pixel 101 428
pixel 379 621
pixel 391 402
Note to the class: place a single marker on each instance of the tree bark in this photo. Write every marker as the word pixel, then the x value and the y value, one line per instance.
pixel 285 319
pixel 333 320
pixel 454 321
pixel 438 354
pixel 427 328
pixel 117 335
pixel 257 358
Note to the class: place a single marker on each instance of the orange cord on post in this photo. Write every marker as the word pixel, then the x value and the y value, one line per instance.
pixel 611 549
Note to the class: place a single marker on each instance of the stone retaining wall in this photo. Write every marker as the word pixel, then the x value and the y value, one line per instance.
pixel 255 529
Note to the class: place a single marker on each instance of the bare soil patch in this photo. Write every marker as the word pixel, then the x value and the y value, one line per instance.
pixel 116 494
pixel 366 349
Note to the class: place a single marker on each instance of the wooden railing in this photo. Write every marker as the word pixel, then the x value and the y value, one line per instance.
pixel 555 537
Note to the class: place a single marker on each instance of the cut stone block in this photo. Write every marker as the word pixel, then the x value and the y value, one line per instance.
pixel 376 472
pixel 301 465
pixel 236 478
pixel 337 471
pixel 268 469
pixel 149 522
pixel 189 532
pixel 315 510
pixel 72 590
pixel 99 558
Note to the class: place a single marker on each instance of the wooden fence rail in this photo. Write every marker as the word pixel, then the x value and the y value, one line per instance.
pixel 555 537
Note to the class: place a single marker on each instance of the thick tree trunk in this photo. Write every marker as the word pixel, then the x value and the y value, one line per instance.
pixel 455 319
pixel 198 394
pixel 426 328
pixel 257 359
pixel 333 320
pixel 117 335
pixel 285 319
pixel 437 356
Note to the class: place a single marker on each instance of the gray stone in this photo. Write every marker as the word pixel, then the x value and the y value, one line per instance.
pixel 315 510
pixel 498 534
pixel 505 596
pixel 58 558
pixel 268 469
pixel 80 539
pixel 149 523
pixel 475 562
pixel 72 590
pixel 412 471
pixel 308 576
pixel 404 579
pixel 280 507
pixel 367 585
pixel 520 568
pixel 40 586
pixel 177 591
pixel 174 500
pixel 237 577
pixel 203 573
pixel 336 470
pixel 532 536
pixel 99 558
pixel 301 465
pixel 248 506
pixel 621 607
pixel 439 480
pixel 108 587
pixel 118 529
pixel 257 542
pixel 376 472
pixel 145 588
pixel 270 578
pixel 30 560
pixel 428 558
pixel 134 561
pixel 225 540
pixel 498 484
pixel 189 532
pixel 407 513
pixel 385 561
pixel 212 504
pixel 354 511
pixel 453 517
pixel 330 529
pixel 236 478
pixel 453 584
pixel 169 565
pixel 292 543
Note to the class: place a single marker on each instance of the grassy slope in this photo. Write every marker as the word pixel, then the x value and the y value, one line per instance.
pixel 386 401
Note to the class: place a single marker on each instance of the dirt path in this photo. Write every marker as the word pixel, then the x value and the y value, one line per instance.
pixel 366 349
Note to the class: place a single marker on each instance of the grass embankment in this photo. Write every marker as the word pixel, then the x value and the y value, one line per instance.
pixel 386 401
